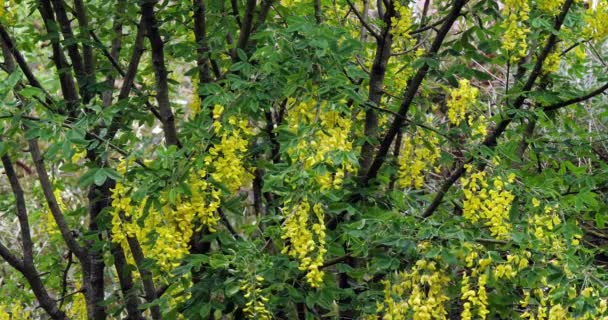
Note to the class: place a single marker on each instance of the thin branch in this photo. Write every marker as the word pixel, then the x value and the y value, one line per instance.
pixel 411 90
pixel 572 101
pixel 362 20
pixel 160 72
pixel 491 140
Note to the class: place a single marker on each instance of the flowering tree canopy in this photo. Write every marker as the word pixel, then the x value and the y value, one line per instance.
pixel 292 159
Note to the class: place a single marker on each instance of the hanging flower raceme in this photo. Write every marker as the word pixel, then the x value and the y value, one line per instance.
pixel 460 101
pixel 487 203
pixel 324 131
pixel 305 230
pixel 420 293
pixel 596 27
pixel 516 30
pixel 401 25
pixel 163 235
pixel 419 154
pixel 195 104
pixel 255 308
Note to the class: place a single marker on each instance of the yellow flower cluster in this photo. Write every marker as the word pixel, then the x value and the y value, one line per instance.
pixel 48 221
pixel 204 202
pixel 550 6
pixel 515 263
pixel 401 26
pixel 419 294
pixel 475 302
pixel 552 62
pixel 163 236
pixel 474 299
pixel 330 133
pixel 516 32
pixel 7 11
pixel 461 99
pixel 78 308
pixel 226 158
pixel 490 204
pixel 543 226
pixel 596 27
pixel 401 70
pixel 419 153
pixel 302 245
pixel 13 311
pixel 195 104
pixel 255 308
pixel 478 126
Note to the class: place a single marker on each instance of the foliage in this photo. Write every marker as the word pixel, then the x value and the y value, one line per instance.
pixel 304 159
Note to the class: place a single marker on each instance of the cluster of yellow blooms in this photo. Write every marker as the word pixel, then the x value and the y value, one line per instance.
pixel 475 302
pixel 401 26
pixel 255 308
pixel 13 311
pixel 474 299
pixel 596 27
pixel 460 101
pixel 204 202
pixel 552 62
pixel 490 204
pixel 419 294
pixel 330 133
pixel 302 245
pixel 419 153
pixel 164 236
pixel 195 104
pixel 78 308
pixel 48 221
pixel 550 6
pixel 548 309
pixel 7 11
pixel 517 13
pixel 226 158
pixel 543 225
pixel 401 70
pixel 171 228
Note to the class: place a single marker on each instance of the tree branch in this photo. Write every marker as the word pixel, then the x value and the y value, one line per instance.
pixel 572 101
pixel 491 140
pixel 410 92
pixel 160 72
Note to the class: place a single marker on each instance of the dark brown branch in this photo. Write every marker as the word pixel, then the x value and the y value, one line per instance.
pixel 87 51
pixel 66 81
pixel 146 275
pixel 114 53
pixel 318 12
pixel 26 267
pixel 376 86
pixel 410 92
pixel 70 43
pixel 47 189
pixel 160 72
pixel 29 75
pixel 199 13
pixel 235 12
pixel 491 140
pixel 572 101
pixel 125 278
pixel 246 28
pixel 26 239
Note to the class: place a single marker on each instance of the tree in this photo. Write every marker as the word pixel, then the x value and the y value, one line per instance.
pixel 304 160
